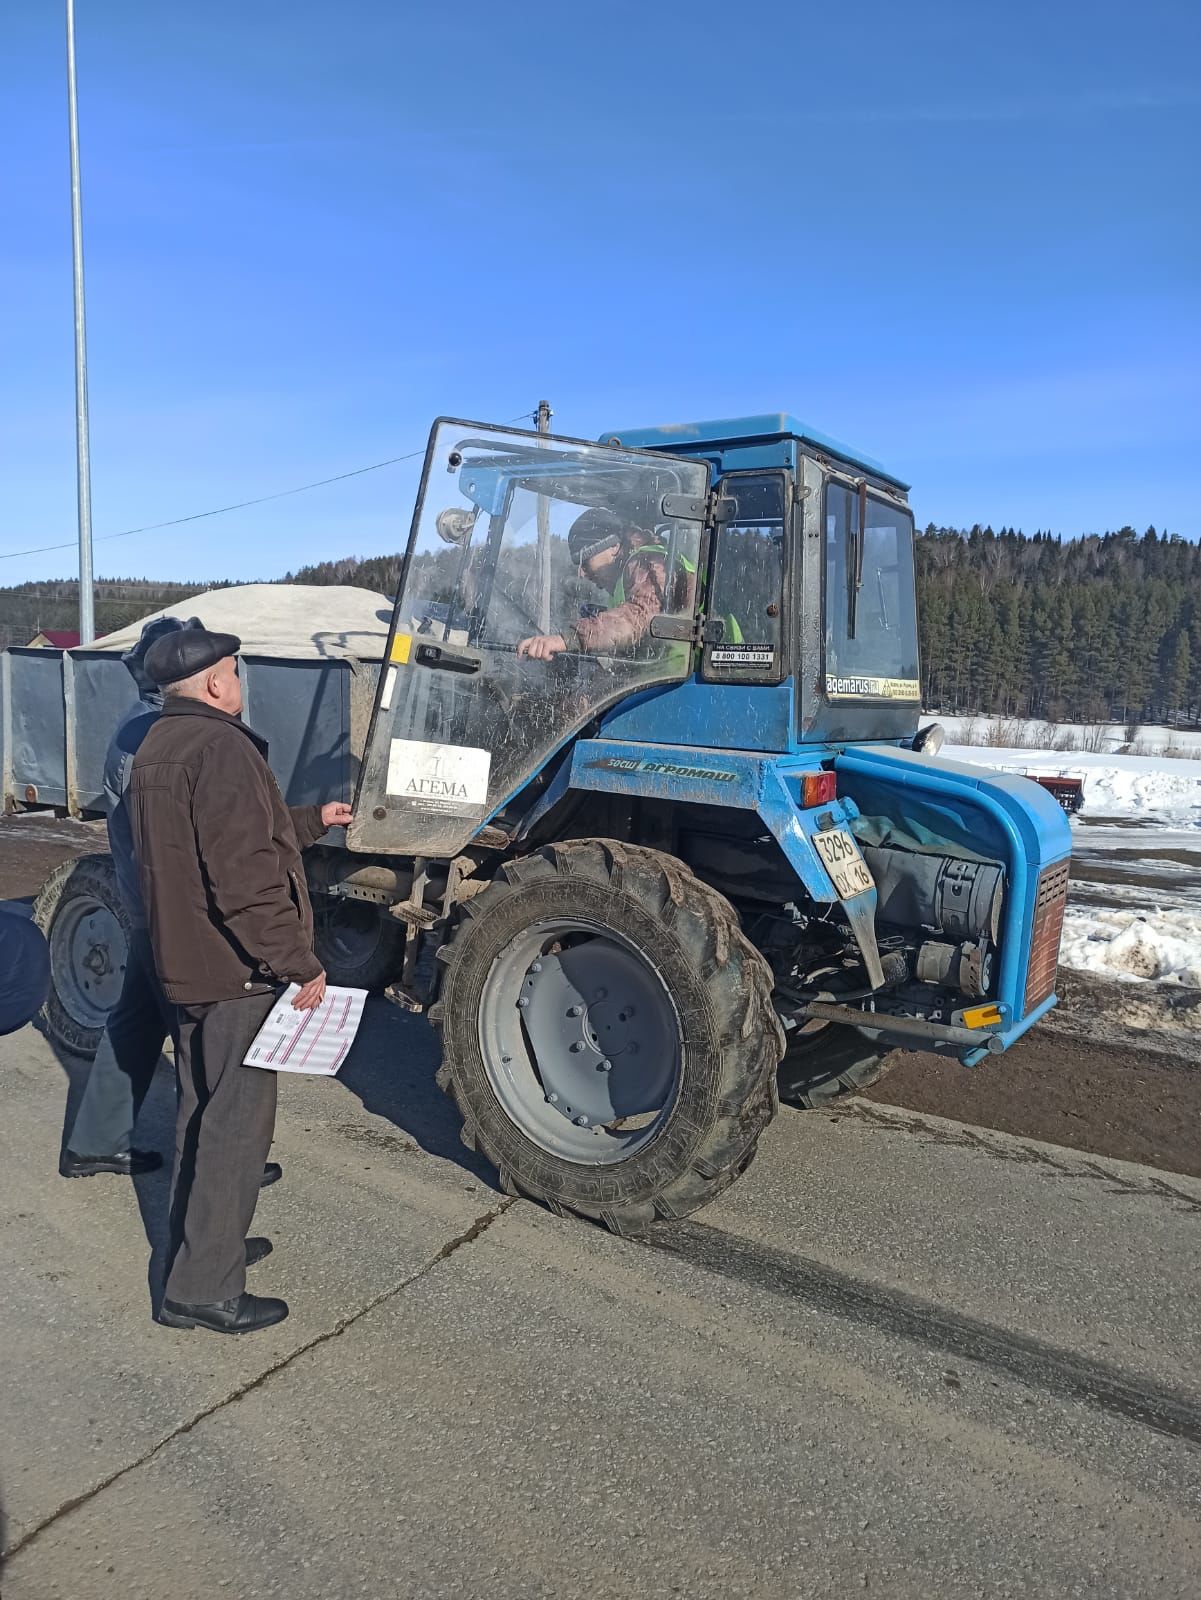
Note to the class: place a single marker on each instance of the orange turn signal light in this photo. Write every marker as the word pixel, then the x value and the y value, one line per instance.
pixel 817 788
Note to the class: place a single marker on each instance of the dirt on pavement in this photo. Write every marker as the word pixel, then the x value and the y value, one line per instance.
pixel 1088 1078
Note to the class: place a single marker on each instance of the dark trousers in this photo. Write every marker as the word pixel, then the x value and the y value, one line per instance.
pixel 138 1027
pixel 222 1136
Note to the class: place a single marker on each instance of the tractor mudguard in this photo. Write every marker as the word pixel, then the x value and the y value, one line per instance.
pixel 769 786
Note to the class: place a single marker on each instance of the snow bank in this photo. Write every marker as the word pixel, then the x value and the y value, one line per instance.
pixel 1152 945
pixel 283 619
pixel 1108 737
pixel 1156 788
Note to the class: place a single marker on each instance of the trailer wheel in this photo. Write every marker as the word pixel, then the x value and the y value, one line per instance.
pixel 608 1033
pixel 359 944
pixel 87 928
pixel 829 1061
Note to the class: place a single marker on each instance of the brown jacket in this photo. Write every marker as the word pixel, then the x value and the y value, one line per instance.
pixel 219 858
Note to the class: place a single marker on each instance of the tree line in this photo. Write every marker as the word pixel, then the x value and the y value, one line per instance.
pixel 1102 628
pixel 27 609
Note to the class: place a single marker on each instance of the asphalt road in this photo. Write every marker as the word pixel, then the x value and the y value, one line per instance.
pixel 899 1356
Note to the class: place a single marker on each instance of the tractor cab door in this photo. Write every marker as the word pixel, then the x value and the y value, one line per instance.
pixel 502 646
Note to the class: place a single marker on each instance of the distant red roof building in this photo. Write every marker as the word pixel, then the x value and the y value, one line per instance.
pixel 56 639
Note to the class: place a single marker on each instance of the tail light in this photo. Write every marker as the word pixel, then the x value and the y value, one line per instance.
pixel 1049 903
pixel 817 788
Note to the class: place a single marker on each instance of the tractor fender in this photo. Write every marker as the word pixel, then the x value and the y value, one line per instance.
pixel 740 780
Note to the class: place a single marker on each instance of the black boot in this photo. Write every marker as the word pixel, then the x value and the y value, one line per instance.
pixel 272 1173
pixel 126 1163
pixel 256 1249
pixel 245 1314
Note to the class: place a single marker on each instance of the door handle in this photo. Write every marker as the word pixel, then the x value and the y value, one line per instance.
pixel 443 659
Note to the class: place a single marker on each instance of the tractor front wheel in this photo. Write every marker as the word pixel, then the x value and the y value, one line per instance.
pixel 608 1033
pixel 826 1062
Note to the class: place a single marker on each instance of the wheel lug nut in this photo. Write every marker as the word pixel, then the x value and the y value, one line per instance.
pixel 575 1011
pixel 552 1099
pixel 605 1066
pixel 581 1122
pixel 577 1046
pixel 537 967
pixel 523 1002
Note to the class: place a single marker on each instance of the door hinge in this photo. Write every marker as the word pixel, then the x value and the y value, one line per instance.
pixel 689 630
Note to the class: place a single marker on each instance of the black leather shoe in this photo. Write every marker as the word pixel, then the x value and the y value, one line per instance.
pixel 126 1163
pixel 246 1314
pixel 272 1173
pixel 256 1249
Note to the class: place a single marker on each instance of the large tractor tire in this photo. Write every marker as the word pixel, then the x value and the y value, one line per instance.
pixel 608 1034
pixel 359 944
pixel 87 928
pixel 827 1062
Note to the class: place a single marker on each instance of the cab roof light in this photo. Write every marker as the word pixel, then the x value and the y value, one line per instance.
pixel 817 788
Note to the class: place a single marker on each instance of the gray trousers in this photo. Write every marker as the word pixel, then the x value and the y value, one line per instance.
pixel 222 1136
pixel 138 1027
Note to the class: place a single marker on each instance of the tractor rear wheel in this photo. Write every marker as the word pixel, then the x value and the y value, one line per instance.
pixel 829 1061
pixel 608 1033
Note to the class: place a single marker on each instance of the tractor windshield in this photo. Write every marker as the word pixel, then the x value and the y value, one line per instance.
pixel 536 577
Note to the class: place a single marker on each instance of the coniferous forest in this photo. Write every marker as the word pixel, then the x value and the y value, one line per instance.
pixel 1103 628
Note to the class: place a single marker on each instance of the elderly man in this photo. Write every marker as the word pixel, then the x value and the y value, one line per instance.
pixel 139 1024
pixel 230 922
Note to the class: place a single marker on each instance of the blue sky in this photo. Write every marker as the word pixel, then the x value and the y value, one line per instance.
pixel 965 238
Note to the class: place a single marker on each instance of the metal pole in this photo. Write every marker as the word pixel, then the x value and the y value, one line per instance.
pixel 542 417
pixel 87 618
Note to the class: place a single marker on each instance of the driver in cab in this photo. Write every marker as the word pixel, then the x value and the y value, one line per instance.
pixel 630 566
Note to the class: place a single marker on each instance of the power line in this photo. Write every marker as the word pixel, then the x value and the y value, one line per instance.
pixel 240 505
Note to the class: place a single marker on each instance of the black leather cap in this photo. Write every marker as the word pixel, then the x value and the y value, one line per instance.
pixel 178 655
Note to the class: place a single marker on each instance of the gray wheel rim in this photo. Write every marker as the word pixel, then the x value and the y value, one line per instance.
pixel 88 952
pixel 581 1041
pixel 352 931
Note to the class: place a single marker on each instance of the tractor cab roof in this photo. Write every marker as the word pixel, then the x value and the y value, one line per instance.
pixel 736 437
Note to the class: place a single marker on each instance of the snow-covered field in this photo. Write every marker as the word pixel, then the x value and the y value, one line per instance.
pixel 1134 910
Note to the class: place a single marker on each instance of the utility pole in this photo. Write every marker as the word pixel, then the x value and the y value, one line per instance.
pixel 87 617
pixel 542 418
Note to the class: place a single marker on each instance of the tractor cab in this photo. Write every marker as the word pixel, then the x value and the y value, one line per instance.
pixel 761 597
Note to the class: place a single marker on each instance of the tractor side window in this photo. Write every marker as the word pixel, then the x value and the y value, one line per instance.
pixel 871 613
pixel 747 590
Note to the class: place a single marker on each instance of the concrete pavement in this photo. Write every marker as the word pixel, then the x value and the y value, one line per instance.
pixel 898 1356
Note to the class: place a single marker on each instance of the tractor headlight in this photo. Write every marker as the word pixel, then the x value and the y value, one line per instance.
pixel 930 739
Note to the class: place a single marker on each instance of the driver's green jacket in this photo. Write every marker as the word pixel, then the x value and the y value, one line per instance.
pixel 639 595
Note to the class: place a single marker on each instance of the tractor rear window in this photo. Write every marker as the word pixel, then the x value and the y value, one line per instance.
pixel 871 615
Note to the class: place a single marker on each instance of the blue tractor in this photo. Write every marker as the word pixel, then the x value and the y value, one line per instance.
pixel 661 812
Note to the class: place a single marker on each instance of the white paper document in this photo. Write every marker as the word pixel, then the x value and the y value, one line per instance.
pixel 308 1041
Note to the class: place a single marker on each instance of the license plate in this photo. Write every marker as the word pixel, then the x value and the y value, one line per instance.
pixel 840 855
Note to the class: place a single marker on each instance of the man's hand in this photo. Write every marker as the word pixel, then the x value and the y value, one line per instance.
pixel 336 814
pixel 543 647
pixel 311 994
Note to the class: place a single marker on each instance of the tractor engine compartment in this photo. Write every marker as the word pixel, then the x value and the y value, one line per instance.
pixel 938 916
